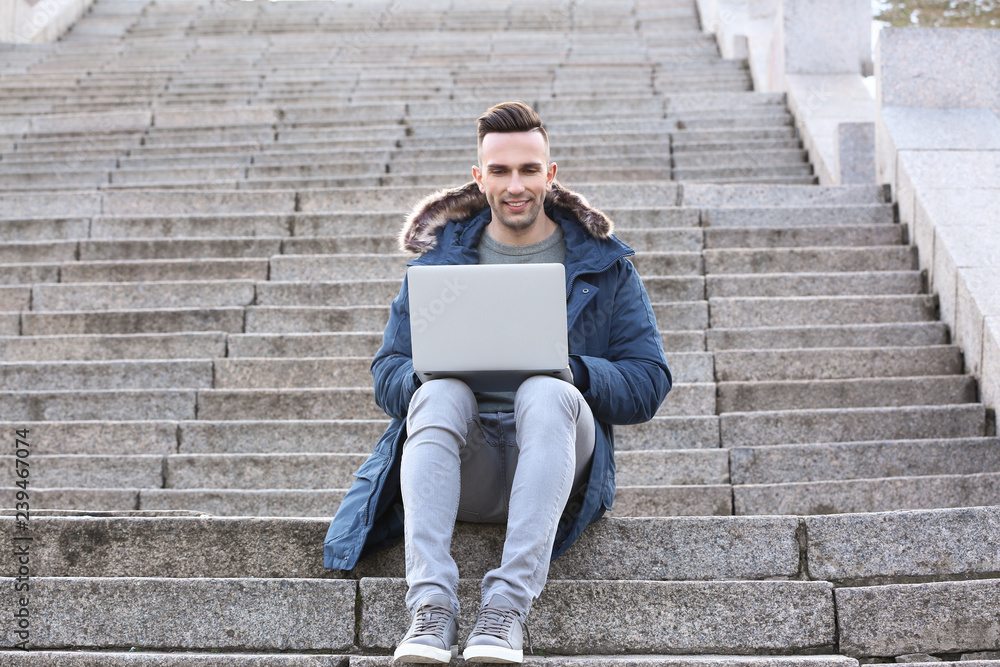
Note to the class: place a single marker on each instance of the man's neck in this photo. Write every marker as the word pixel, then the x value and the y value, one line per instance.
pixel 542 228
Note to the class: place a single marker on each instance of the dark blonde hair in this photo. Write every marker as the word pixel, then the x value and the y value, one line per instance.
pixel 508 117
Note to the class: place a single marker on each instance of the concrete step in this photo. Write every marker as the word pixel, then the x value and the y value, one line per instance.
pixel 155 270
pixel 678 316
pixel 792 614
pixel 798 237
pixel 810 260
pixel 752 429
pixel 80 405
pixel 793 173
pixel 658 501
pixel 863 460
pixel 13 299
pixel 694 399
pixel 131 321
pixel 360 435
pixel 842 283
pixel 235 548
pixel 382 267
pixel 869 495
pixel 176 249
pixel 719 214
pixel 377 292
pixel 42 229
pixel 730 313
pixel 833 363
pixel 851 393
pixel 87 375
pixel 125 295
pixel 840 336
pixel 247 611
pixel 751 196
pixel 78 658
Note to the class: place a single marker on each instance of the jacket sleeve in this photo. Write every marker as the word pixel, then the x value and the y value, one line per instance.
pixel 392 367
pixel 627 385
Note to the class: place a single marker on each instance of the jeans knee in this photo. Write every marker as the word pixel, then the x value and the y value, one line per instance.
pixel 446 391
pixel 551 392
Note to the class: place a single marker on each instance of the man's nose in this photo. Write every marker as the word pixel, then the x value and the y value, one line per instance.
pixel 515 186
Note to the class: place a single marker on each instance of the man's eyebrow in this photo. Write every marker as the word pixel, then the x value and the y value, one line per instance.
pixel 493 165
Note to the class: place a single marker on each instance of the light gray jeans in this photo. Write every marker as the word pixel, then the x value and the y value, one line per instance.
pixel 520 467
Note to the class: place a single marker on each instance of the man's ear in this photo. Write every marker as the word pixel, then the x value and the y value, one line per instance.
pixel 477 174
pixel 550 176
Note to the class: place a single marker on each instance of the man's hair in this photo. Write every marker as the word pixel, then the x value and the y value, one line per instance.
pixel 508 117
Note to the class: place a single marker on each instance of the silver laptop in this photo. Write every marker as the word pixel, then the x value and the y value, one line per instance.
pixel 490 325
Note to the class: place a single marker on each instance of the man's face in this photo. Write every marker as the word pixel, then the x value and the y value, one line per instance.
pixel 514 173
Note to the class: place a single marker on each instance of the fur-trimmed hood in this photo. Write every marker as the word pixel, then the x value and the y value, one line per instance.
pixel 419 233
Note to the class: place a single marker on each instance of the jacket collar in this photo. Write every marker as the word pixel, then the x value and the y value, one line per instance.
pixel 433 213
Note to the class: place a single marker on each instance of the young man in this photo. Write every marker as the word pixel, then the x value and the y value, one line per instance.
pixel 540 459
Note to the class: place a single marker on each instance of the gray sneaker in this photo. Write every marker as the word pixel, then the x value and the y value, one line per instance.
pixel 433 634
pixel 498 635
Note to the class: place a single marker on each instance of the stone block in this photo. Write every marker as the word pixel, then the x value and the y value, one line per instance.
pixel 730 196
pixel 815 284
pixel 155 613
pixel 38 252
pixel 261 471
pixel 684 617
pixel 941 129
pixel 792 217
pixel 191 225
pixel 244 503
pixel 946 617
pixel 193 202
pixel 869 495
pixel 338 293
pixel 97 405
pixel 10 324
pixel 215 117
pixel 186 659
pixel 27 274
pixel 94 123
pixel 690 432
pixel 13 299
pixel 149 270
pixel 140 295
pixel 103 348
pixel 99 437
pixel 809 260
pixel 689 399
pixel 881 548
pixel 808 426
pixel 649 661
pixel 855 157
pixel 820 311
pixel 133 321
pixel 346 344
pixel 91 471
pixel 989 376
pixel 859 335
pixel 88 375
pixel 239 437
pixel 806 364
pixel 977 298
pixel 222 404
pixel 965 169
pixel 84 500
pixel 293 319
pixel 83 204
pixel 25 229
pixel 680 500
pixel 938 68
pixel 772 464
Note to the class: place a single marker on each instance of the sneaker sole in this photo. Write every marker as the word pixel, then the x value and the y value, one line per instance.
pixel 494 654
pixel 424 654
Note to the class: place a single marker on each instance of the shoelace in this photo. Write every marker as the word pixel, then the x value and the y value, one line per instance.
pixel 431 620
pixel 497 622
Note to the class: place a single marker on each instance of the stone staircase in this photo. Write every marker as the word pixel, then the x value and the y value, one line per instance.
pixel 198 206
